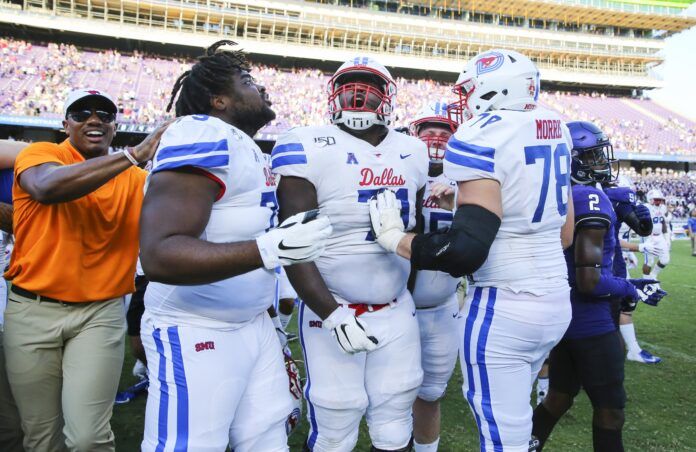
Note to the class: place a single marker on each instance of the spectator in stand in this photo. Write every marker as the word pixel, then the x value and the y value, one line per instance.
pixel 76 213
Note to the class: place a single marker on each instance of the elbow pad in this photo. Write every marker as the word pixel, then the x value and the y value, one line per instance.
pixel 611 286
pixel 460 250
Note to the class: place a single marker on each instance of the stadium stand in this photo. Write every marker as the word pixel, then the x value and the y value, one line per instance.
pixel 34 77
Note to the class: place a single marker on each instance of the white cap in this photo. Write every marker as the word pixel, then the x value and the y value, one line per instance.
pixel 80 94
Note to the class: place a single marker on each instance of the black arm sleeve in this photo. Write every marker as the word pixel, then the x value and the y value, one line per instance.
pixel 461 249
pixel 642 228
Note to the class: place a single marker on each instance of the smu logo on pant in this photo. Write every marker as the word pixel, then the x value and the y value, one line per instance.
pixel 210 345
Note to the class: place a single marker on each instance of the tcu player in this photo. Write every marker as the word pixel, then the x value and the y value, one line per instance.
pixel 511 160
pixel 434 292
pixel 355 283
pixel 590 354
pixel 209 249
pixel 634 217
pixel 657 240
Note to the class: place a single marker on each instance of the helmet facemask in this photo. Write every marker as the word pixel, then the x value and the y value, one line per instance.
pixel 594 165
pixel 435 133
pixel 361 98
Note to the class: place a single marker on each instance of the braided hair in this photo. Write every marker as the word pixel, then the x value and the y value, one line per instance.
pixel 211 75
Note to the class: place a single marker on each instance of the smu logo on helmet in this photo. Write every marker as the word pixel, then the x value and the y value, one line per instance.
pixel 489 62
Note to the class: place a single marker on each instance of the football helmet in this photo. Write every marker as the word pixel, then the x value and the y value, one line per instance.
pixel 495 80
pixel 357 101
pixel 592 156
pixel 434 113
pixel 626 182
pixel 655 197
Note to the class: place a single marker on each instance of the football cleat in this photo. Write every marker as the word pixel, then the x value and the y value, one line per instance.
pixel 643 357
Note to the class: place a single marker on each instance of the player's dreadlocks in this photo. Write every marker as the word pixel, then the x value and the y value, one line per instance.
pixel 211 75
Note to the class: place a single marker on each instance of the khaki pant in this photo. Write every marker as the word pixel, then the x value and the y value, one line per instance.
pixel 10 427
pixel 64 363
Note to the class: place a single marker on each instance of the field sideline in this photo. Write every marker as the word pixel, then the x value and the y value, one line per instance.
pixel 661 404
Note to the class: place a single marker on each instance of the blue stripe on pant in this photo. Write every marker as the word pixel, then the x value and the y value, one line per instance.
pixel 164 394
pixel 469 327
pixel 182 408
pixel 312 417
pixel 483 373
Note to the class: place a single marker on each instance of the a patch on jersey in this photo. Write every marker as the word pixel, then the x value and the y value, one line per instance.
pixel 489 62
pixel 324 141
pixel 288 154
pixel 351 160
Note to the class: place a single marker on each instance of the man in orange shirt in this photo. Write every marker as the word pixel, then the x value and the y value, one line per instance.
pixel 76 214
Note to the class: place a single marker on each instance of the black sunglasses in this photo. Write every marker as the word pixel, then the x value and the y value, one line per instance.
pixel 83 115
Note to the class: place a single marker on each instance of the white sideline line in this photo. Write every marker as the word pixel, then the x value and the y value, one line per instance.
pixel 683 356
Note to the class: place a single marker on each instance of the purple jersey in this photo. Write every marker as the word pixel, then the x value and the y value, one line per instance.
pixel 623 200
pixel 591 314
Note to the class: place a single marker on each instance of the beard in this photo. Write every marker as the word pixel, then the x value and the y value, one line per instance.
pixel 254 119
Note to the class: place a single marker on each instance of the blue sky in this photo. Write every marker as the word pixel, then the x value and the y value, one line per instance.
pixel 679 72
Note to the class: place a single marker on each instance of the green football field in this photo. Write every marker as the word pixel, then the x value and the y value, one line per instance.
pixel 661 407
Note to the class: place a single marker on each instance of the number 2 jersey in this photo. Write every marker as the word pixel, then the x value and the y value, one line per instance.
pixel 591 313
pixel 346 173
pixel 433 288
pixel 528 153
pixel 244 209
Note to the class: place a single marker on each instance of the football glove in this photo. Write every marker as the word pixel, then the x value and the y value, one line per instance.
pixel 649 248
pixel 350 332
pixel 300 238
pixel 643 214
pixel 385 215
pixel 648 290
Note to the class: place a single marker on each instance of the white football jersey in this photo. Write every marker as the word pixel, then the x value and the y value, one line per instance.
pixel 528 153
pixel 346 173
pixel 658 217
pixel 245 208
pixel 434 287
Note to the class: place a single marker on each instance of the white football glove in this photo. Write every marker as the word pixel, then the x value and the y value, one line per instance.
pixel 651 248
pixel 300 238
pixel 350 332
pixel 385 215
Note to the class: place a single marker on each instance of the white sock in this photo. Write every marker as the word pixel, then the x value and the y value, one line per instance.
pixel 284 319
pixel 629 336
pixel 543 385
pixel 655 271
pixel 432 447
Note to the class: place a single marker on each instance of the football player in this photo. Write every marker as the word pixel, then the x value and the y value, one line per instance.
pixel 635 217
pixel 511 161
pixel 590 354
pixel 356 291
pixel 434 292
pixel 210 249
pixel 656 261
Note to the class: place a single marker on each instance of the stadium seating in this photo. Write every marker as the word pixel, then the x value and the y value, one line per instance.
pixel 35 78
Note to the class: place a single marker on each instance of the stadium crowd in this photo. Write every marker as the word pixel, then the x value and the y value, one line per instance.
pixel 33 79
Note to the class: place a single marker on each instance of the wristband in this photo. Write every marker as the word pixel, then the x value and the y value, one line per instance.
pixel 129 156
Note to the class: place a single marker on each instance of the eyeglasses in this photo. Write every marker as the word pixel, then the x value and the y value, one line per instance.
pixel 83 115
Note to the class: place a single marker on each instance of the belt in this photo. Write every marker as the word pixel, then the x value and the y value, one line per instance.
pixel 362 308
pixel 36 297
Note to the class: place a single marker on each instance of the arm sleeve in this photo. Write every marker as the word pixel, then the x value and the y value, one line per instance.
pixel 289 157
pixel 471 152
pixel 38 154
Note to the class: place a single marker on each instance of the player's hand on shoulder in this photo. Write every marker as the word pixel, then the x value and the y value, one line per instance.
pixel 351 333
pixel 443 195
pixel 300 238
pixel 648 290
pixel 146 149
pixel 385 216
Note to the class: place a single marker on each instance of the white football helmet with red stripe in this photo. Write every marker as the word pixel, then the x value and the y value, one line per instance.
pixel 434 114
pixel 361 94
pixel 495 80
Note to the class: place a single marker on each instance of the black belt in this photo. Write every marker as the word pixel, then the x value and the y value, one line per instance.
pixel 36 297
